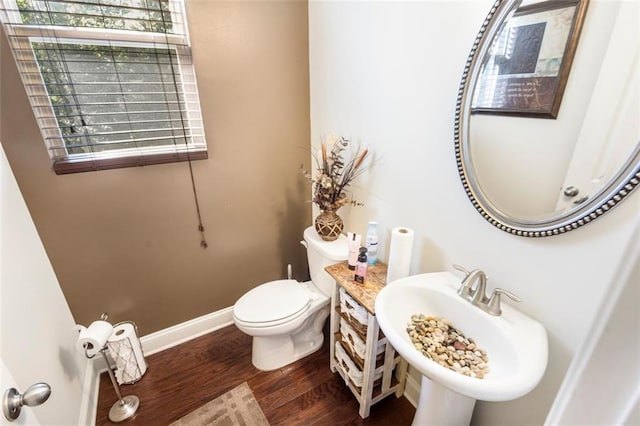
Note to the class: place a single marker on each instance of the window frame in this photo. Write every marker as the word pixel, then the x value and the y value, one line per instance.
pixel 39 97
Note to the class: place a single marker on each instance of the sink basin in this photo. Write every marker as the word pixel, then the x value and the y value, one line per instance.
pixel 516 344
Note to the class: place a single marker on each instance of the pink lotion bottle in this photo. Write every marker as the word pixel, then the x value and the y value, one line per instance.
pixel 361 266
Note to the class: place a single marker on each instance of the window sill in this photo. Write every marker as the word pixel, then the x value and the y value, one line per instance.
pixel 62 167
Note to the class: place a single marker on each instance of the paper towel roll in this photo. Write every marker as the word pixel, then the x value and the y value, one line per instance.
pixel 126 350
pixel 399 253
pixel 94 337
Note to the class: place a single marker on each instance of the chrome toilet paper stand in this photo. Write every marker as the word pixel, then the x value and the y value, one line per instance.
pixel 125 407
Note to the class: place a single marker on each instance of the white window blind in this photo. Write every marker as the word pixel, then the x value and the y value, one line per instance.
pixel 111 82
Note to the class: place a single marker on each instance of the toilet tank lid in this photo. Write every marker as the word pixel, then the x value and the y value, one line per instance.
pixel 337 250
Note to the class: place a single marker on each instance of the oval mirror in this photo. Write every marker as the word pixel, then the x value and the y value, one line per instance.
pixel 546 130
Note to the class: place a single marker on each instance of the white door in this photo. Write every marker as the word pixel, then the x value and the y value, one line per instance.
pixel 26 416
pixel 610 131
pixel 38 331
pixel 602 384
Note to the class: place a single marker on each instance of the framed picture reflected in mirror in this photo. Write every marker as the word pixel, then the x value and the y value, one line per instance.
pixel 528 64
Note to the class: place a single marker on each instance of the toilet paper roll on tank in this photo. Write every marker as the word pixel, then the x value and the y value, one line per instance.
pixel 401 246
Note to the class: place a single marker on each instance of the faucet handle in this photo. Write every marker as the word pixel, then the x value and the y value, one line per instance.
pixel 493 305
pixel 465 270
pixel 461 269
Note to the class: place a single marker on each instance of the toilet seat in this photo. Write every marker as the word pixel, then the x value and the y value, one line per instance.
pixel 272 303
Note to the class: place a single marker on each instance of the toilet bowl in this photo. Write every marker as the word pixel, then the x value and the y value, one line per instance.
pixel 286 317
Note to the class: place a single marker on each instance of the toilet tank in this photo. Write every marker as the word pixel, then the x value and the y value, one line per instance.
pixel 321 254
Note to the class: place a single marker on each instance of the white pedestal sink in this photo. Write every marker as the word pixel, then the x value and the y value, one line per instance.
pixel 515 343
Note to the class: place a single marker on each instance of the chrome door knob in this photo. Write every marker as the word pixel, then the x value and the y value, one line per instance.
pixel 13 401
pixel 571 191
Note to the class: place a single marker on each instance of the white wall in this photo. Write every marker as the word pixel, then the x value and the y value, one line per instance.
pixel 38 335
pixel 387 74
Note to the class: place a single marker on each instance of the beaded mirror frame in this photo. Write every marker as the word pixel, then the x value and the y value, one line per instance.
pixel 612 194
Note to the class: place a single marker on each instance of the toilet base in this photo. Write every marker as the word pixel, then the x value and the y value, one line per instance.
pixel 273 352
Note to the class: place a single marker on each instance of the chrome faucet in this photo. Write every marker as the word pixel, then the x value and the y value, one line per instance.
pixel 466 290
pixel 477 296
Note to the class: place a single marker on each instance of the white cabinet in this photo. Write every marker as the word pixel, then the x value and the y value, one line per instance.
pixel 360 352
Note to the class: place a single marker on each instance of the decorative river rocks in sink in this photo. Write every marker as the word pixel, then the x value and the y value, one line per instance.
pixel 438 340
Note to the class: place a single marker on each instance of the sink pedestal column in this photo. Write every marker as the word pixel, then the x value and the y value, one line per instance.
pixel 439 405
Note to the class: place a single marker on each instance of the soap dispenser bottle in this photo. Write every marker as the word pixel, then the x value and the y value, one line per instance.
pixel 372 243
pixel 361 266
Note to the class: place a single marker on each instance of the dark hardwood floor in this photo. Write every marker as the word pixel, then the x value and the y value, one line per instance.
pixel 183 378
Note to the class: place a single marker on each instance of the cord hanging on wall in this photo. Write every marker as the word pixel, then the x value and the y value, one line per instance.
pixel 203 240
pixel 183 119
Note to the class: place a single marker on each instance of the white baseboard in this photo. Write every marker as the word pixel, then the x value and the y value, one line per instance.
pixel 151 344
pixel 180 333
pixel 89 404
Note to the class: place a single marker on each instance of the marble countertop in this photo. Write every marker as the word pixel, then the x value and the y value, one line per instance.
pixel 365 294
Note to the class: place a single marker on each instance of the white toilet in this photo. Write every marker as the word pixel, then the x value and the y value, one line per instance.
pixel 286 317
